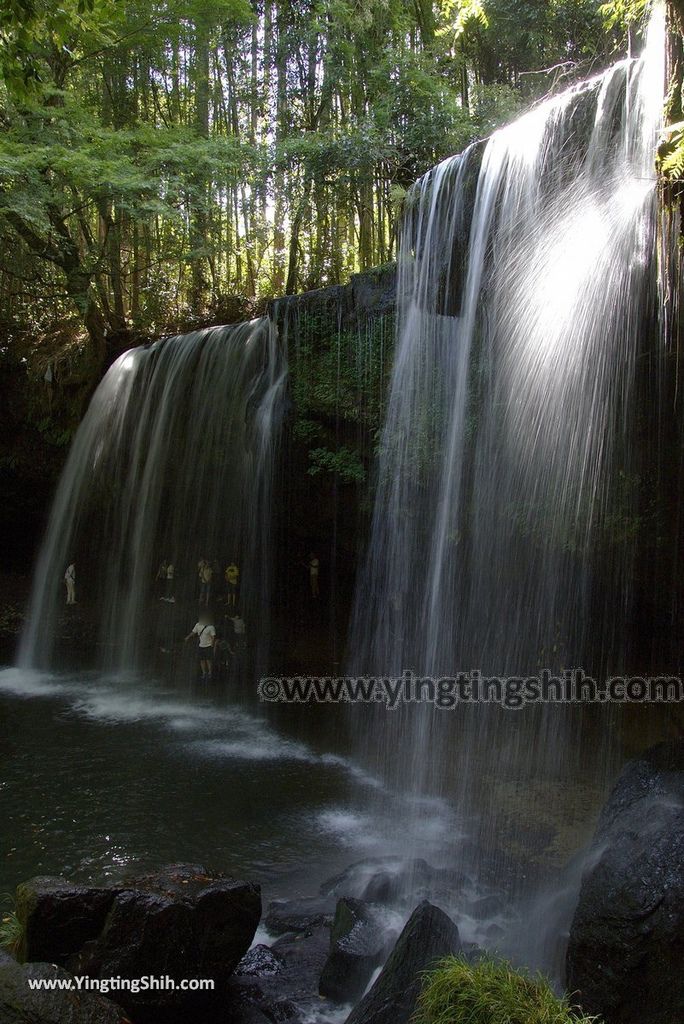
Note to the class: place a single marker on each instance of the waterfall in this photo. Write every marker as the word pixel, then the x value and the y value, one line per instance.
pixel 507 490
pixel 173 462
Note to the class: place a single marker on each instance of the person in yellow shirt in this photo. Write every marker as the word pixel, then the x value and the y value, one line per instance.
pixel 232 578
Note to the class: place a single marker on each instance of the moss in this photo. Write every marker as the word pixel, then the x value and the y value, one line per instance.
pixel 490 992
pixel 339 376
pixel 345 463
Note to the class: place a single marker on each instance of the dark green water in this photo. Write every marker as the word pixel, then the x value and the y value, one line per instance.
pixel 102 777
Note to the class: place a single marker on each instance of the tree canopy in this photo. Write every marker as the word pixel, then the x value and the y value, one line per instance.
pixel 159 158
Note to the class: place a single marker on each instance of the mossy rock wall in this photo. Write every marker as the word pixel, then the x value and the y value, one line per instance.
pixel 340 344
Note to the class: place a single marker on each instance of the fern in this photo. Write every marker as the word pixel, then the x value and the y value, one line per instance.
pixel 671 153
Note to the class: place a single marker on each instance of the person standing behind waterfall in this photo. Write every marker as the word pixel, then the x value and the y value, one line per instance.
pixel 205 576
pixel 206 638
pixel 232 578
pixel 313 565
pixel 70 581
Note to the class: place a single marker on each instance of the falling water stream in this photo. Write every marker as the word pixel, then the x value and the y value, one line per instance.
pixel 173 462
pixel 502 535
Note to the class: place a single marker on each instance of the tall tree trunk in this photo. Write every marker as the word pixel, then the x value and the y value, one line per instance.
pixel 198 220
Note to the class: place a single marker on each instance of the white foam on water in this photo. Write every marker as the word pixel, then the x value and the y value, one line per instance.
pixel 28 683
pixel 433 830
pixel 257 747
pixel 219 732
pixel 261 744
pixel 354 829
pixel 326 1015
pixel 116 706
pixel 359 774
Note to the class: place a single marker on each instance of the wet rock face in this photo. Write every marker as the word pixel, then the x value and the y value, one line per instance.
pixel 281 984
pixel 20 1004
pixel 299 915
pixel 259 962
pixel 358 944
pixel 58 917
pixel 428 936
pixel 626 946
pixel 370 293
pixel 181 923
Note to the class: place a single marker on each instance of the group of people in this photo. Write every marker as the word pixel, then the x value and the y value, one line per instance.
pixel 213 650
pixel 209 574
pixel 214 588
pixel 208 578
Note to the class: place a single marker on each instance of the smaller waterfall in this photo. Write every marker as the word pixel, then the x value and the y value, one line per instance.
pixel 173 462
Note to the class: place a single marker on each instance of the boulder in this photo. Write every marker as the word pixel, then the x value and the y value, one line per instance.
pixel 246 1013
pixel 428 936
pixel 59 917
pixel 259 962
pixel 383 888
pixel 182 923
pixel 626 945
pixel 291 992
pixel 358 944
pixel 299 915
pixel 19 1004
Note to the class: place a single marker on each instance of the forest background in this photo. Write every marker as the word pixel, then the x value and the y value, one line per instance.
pixel 170 163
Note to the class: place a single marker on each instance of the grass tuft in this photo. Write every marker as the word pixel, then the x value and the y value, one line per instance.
pixel 10 929
pixel 491 992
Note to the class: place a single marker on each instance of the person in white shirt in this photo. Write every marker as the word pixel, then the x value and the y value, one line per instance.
pixel 70 580
pixel 206 638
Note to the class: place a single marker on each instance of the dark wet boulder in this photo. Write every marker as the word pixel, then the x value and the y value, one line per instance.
pixel 383 887
pixel 22 1004
pixel 626 946
pixel 291 992
pixel 58 917
pixel 428 936
pixel 259 962
pixel 238 1012
pixel 182 923
pixel 358 944
pixel 299 915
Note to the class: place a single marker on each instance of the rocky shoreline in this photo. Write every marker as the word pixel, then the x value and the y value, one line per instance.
pixel 359 949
